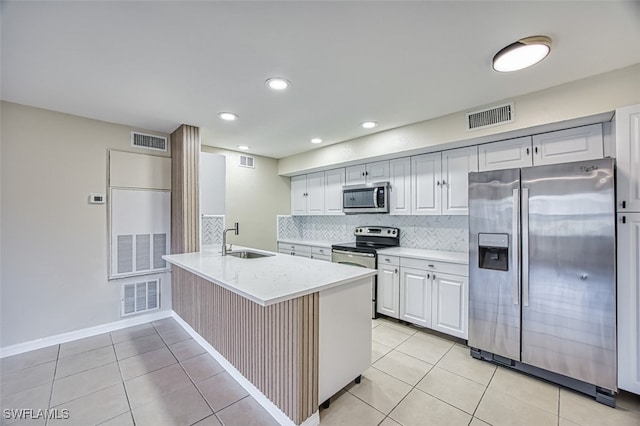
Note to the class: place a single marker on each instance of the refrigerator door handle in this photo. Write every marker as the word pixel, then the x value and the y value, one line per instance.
pixel 515 247
pixel 525 246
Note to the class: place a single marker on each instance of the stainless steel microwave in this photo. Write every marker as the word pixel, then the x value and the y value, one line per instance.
pixel 369 198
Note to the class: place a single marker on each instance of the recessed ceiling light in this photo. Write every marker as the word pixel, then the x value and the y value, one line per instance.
pixel 522 54
pixel 369 124
pixel 316 140
pixel 277 83
pixel 227 116
pixel 243 147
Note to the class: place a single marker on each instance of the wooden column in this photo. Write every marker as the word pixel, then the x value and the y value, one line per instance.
pixel 275 347
pixel 185 183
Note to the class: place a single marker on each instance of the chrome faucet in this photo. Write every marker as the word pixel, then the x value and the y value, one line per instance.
pixel 235 229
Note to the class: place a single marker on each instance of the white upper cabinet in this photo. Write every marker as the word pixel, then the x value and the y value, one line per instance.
pixel 299 195
pixel 400 179
pixel 439 181
pixel 333 183
pixel 367 173
pixel 315 193
pixel 627 134
pixel 577 144
pixel 425 184
pixel 456 165
pixel 507 154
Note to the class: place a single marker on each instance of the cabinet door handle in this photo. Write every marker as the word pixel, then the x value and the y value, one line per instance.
pixel 438 183
pixel 624 204
pixel 527 151
pixel 624 219
pixel 362 173
pixel 536 149
pixel 434 276
pixel 444 182
pixel 395 271
pixel 431 266
pixel 428 276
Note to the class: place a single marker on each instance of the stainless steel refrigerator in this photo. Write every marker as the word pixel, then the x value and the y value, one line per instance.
pixel 542 285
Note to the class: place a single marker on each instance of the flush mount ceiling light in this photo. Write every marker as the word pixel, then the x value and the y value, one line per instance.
pixel 227 116
pixel 243 147
pixel 369 124
pixel 522 54
pixel 316 140
pixel 278 83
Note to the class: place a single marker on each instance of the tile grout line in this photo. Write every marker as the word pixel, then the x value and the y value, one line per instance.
pixel 213 412
pixel 483 393
pixel 53 380
pixel 126 394
pixel 412 387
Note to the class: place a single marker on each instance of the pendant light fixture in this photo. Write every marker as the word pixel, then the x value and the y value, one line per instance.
pixel 522 54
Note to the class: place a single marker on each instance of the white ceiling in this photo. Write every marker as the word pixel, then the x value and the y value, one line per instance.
pixel 156 65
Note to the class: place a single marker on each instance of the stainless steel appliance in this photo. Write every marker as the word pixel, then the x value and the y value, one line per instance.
pixel 363 252
pixel 369 198
pixel 542 285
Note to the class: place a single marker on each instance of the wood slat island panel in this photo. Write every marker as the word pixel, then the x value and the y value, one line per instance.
pixel 275 347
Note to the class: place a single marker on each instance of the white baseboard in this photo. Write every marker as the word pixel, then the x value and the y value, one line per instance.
pixel 80 334
pixel 276 413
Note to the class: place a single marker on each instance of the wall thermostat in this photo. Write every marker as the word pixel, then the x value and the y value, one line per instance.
pixel 97 198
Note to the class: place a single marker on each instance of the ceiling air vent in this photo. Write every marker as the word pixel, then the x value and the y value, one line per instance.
pixel 142 140
pixel 246 161
pixel 494 116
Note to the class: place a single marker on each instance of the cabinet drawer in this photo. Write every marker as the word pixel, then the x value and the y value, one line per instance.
pixel 388 260
pixel 320 251
pixel 297 249
pixel 321 257
pixel 435 266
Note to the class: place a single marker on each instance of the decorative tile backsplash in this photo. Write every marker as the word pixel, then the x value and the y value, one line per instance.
pixel 448 233
pixel 212 227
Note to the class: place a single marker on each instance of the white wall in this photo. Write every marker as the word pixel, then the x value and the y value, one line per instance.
pixel 254 197
pixel 591 96
pixel 212 183
pixel 54 244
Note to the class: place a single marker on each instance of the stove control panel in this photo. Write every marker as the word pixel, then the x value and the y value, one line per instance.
pixel 378 231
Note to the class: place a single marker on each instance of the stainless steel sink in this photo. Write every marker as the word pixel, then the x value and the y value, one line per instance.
pixel 246 254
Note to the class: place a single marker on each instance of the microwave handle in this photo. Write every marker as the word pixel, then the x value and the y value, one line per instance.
pixel 375 197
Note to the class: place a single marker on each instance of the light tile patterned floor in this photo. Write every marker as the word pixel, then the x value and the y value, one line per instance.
pixel 424 378
pixel 155 374
pixel 151 374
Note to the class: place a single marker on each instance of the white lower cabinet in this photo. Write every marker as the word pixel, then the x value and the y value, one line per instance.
pixel 388 297
pixel 450 310
pixel 321 253
pixel 294 249
pixel 432 294
pixel 629 302
pixel 415 296
pixel 312 252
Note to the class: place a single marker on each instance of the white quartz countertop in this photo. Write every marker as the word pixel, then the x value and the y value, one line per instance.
pixel 313 243
pixel 267 280
pixel 435 255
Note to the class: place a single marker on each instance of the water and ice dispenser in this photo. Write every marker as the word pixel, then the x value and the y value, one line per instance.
pixel 493 251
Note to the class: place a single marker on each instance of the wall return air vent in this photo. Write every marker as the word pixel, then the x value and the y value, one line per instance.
pixel 144 141
pixel 489 117
pixel 246 161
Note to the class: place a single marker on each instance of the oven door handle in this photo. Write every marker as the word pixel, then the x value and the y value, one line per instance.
pixel 353 253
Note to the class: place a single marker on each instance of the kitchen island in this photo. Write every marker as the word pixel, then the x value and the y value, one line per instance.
pixel 298 329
